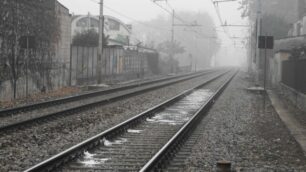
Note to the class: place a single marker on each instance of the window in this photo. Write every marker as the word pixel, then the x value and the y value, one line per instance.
pixel 113 25
pixel 94 22
pixel 82 22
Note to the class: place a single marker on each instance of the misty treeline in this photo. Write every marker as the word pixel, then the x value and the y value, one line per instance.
pixel 88 38
pixel 35 24
pixel 277 15
pixel 191 44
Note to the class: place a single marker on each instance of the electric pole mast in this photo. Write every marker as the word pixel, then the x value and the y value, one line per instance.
pixel 259 32
pixel 172 30
pixel 172 42
pixel 100 47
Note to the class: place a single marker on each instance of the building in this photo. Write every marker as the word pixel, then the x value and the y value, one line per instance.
pixel 299 25
pixel 63 45
pixel 287 63
pixel 118 32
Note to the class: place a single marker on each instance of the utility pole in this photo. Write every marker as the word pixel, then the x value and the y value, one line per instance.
pixel 100 47
pixel 172 42
pixel 172 30
pixel 27 64
pixel 259 30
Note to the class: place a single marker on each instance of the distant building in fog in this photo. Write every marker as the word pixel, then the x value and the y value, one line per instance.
pixel 119 33
pixel 299 24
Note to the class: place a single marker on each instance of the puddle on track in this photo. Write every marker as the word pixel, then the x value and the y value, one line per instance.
pixel 176 114
pixel 182 111
pixel 134 131
pixel 89 160
pixel 120 141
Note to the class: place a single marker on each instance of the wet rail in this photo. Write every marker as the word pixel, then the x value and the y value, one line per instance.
pixel 15 123
pixel 130 145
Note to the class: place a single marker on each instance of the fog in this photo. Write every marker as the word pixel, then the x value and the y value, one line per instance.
pixel 228 52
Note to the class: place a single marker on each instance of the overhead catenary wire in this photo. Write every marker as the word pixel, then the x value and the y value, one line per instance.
pixel 180 19
pixel 220 20
pixel 170 12
pixel 155 27
pixel 151 26
pixel 130 18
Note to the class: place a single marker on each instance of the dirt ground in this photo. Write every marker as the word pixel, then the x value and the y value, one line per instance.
pixel 39 97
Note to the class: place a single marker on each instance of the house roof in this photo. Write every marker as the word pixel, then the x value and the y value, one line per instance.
pixel 74 17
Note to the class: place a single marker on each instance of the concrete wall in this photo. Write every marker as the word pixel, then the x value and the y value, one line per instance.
pixel 59 74
pixel 59 78
pixel 297 98
pixel 275 78
pixel 63 45
pixel 275 69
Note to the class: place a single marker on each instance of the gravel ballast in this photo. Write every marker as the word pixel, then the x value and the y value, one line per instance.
pixel 24 148
pixel 239 130
pixel 22 116
pixel 75 91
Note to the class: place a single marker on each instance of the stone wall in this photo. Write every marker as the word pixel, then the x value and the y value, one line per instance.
pixel 297 98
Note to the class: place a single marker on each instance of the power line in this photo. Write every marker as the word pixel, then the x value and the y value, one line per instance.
pixel 130 18
pixel 169 11
pixel 95 1
pixel 170 6
pixel 220 18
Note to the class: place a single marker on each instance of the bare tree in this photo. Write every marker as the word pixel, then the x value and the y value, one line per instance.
pixel 24 18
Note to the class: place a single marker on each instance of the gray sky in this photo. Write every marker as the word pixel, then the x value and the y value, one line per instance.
pixel 146 9
pixel 142 10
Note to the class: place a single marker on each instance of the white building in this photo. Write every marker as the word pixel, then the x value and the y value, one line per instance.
pixel 118 32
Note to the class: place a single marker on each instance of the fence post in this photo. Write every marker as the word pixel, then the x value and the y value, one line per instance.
pixel 92 62
pixel 87 70
pixel 70 67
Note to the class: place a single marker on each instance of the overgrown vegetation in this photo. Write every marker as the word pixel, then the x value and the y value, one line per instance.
pixel 276 16
pixel 88 38
pixel 201 42
pixel 275 26
pixel 171 49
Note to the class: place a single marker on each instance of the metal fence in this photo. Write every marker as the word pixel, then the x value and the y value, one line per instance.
pixel 117 64
pixel 294 74
pixel 44 70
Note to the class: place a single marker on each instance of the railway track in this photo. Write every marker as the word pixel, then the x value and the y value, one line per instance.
pixel 144 141
pixel 25 108
pixel 72 105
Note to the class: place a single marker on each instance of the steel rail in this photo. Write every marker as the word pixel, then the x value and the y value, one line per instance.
pixel 70 111
pixel 62 158
pixel 25 108
pixel 169 149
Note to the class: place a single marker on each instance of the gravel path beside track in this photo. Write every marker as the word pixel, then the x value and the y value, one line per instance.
pixel 238 130
pixel 25 148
